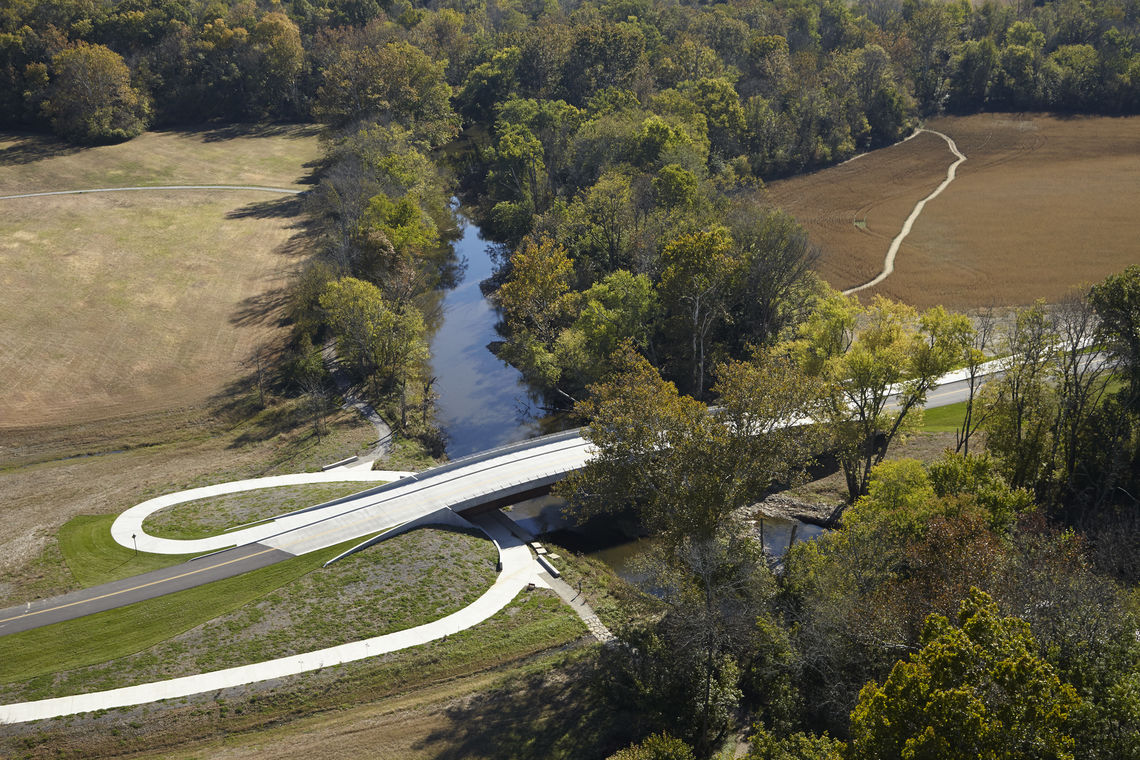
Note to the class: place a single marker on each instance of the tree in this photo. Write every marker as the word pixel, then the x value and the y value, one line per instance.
pixel 534 296
pixel 878 364
pixel 383 343
pixel 276 45
pixel 977 689
pixel 601 56
pixel 312 378
pixel 396 80
pixel 777 283
pixel 1081 379
pixel 393 239
pixel 489 83
pixel 698 270
pixel 90 97
pixel 656 747
pixel 718 100
pixel 1020 403
pixel 972 70
pixel 686 469
pixel 534 302
pixel 1117 304
pixel 975 359
pixel 765 746
pixel 622 307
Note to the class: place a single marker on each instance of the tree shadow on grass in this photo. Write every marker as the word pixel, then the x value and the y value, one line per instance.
pixel 223 132
pixel 268 308
pixel 287 207
pixel 32 148
pixel 555 714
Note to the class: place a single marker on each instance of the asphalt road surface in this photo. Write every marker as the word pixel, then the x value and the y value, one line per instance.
pixel 138 588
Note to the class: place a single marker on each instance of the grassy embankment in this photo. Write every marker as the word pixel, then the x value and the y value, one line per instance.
pixel 208 517
pixel 292 606
pixel 506 688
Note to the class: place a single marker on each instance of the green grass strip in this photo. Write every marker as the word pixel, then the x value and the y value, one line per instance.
pixel 94 557
pixel 116 633
pixel 204 518
pixel 943 419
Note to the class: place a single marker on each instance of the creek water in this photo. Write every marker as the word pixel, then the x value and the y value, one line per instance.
pixel 610 539
pixel 483 402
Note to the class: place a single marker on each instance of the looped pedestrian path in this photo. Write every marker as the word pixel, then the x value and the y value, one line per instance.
pixel 519 570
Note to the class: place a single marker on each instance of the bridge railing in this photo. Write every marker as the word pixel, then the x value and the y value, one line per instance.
pixel 431 472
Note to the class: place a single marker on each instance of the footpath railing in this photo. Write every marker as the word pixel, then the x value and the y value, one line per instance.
pixel 434 472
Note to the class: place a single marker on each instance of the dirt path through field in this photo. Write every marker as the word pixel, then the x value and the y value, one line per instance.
pixel 892 251
pixel 1047 203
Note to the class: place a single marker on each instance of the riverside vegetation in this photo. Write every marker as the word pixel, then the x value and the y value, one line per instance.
pixel 615 153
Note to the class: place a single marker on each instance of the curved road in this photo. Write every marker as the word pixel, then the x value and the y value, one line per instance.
pixel 474 480
pixel 892 251
pixel 518 570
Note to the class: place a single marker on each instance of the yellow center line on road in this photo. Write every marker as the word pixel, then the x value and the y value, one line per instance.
pixel 136 588
pixel 447 492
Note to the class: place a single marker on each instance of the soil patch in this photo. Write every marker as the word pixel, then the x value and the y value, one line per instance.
pixel 1042 204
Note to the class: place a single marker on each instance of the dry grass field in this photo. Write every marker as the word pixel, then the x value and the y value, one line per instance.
pixel 124 324
pixel 1042 204
pixel 127 303
pixel 273 156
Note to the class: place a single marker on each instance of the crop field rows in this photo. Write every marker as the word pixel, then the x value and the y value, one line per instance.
pixel 1042 204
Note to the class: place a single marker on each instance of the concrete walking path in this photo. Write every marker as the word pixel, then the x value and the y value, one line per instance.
pixel 141 188
pixel 519 570
pixel 577 602
pixel 366 410
pixel 127 530
pixel 892 251
pixel 572 597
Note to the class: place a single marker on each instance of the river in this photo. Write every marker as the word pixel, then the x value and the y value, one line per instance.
pixel 483 402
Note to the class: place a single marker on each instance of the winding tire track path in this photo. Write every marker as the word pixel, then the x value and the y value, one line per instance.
pixel 892 251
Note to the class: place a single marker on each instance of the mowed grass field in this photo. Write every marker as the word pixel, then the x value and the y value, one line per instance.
pixel 125 322
pixel 128 303
pixel 1042 204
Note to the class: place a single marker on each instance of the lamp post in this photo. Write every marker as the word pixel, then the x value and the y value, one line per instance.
pixel 135 539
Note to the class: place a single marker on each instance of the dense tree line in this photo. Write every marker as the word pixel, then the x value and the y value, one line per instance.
pixel 981 605
pixel 787 84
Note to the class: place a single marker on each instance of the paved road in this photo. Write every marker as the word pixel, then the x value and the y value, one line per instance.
pixel 248 556
pixel 138 587
pixel 518 570
pixel 465 483
pixel 462 484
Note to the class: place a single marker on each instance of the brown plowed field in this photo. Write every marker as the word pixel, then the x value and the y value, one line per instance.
pixel 118 304
pixel 1042 204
